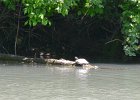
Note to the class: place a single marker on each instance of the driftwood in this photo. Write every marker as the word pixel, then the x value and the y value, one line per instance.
pixel 68 63
pixel 59 62
pixel 21 59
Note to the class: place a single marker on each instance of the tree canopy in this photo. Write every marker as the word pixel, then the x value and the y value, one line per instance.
pixel 126 14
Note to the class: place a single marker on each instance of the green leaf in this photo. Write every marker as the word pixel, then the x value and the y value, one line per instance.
pixel 41 16
pixel 26 23
pixel 44 21
pixel 34 22
pixel 79 12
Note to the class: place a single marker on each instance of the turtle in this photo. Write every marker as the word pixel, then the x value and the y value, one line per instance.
pixel 80 61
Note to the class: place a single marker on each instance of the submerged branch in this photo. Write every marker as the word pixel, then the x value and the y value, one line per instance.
pixel 16 38
pixel 114 41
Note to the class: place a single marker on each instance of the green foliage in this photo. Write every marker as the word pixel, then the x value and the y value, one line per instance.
pixel 40 11
pixel 10 3
pixel 90 7
pixel 131 26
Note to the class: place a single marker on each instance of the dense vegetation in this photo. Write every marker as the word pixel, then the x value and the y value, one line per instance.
pixel 65 28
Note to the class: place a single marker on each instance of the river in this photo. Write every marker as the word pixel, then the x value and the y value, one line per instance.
pixel 40 82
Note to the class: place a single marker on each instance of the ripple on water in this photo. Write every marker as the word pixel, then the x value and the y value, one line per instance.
pixel 56 83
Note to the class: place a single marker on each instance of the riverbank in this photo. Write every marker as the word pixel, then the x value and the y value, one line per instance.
pixel 127 60
pixel 21 59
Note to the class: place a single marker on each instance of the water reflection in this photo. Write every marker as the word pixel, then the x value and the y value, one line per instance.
pixel 82 73
pixel 79 72
pixel 64 69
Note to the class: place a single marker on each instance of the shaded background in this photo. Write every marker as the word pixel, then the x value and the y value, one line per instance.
pixel 97 37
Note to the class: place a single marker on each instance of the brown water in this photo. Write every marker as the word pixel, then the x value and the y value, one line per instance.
pixel 39 82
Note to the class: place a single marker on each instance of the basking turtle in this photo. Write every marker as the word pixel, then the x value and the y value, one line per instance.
pixel 80 61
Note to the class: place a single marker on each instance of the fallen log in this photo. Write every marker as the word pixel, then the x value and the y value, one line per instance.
pixel 59 62
pixel 21 59
pixel 8 58
pixel 68 63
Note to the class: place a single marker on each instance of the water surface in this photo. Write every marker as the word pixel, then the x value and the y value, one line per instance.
pixel 40 82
